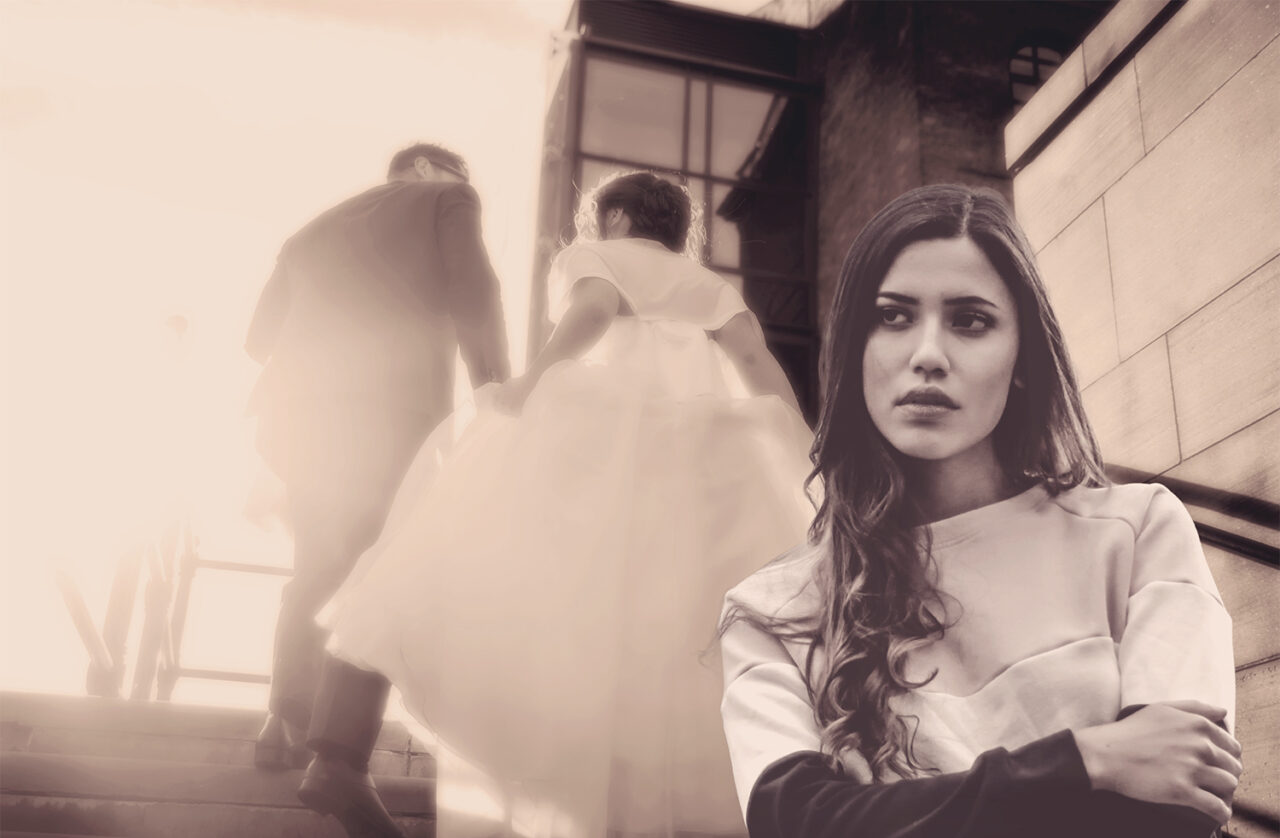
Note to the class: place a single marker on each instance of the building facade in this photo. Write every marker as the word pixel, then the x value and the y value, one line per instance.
pixel 789 136
pixel 1148 180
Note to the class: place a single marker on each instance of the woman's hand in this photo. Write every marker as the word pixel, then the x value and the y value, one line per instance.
pixel 511 395
pixel 1166 753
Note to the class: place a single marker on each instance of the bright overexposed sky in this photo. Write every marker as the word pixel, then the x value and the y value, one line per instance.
pixel 154 155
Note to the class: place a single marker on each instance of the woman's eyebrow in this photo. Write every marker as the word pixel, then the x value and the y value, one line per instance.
pixel 971 300
pixel 968 300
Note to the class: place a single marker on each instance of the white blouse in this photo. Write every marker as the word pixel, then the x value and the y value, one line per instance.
pixel 1061 611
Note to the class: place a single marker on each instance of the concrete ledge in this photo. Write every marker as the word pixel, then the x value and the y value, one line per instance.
pixel 1122 25
pixel 1065 86
pixel 1082 74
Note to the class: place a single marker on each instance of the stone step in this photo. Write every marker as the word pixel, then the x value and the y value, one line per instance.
pixel 87 818
pixel 18 737
pixel 103 727
pixel 156 718
pixel 120 779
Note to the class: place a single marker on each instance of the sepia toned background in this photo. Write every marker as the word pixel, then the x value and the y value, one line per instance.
pixel 154 156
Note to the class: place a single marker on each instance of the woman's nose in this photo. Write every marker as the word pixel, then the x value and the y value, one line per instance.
pixel 929 356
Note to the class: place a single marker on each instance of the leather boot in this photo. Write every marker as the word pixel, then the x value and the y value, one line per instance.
pixel 280 746
pixel 332 787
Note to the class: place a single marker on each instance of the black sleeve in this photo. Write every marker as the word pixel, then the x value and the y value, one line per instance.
pixel 1037 790
pixel 474 296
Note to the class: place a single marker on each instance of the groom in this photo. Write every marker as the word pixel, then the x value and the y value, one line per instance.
pixel 358 329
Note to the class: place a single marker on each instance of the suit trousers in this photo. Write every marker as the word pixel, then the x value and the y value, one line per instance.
pixel 341 473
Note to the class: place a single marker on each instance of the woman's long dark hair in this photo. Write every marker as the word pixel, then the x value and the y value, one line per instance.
pixel 879 600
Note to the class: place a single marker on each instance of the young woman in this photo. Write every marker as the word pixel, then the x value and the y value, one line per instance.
pixel 544 602
pixel 982 637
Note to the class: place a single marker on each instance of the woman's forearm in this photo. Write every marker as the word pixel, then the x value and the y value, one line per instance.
pixel 1041 789
pixel 577 332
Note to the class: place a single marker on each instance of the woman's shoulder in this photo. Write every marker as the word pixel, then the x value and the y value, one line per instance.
pixel 784 589
pixel 575 249
pixel 1137 504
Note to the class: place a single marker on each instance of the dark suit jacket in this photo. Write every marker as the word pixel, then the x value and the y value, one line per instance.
pixel 370 302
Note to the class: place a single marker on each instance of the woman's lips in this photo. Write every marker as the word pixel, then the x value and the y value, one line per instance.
pixel 924 410
pixel 926 403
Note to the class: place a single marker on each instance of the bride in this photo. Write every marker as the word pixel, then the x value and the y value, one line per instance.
pixel 546 599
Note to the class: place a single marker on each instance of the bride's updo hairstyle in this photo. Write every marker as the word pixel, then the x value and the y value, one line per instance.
pixel 659 210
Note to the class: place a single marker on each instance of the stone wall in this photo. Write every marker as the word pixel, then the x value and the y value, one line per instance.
pixel 1149 183
pixel 916 93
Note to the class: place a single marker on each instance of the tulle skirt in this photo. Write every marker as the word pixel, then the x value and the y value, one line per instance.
pixel 546 593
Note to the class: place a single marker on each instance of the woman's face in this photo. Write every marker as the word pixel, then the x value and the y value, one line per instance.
pixel 941 352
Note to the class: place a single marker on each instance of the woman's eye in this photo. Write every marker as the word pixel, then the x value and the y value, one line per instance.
pixel 972 321
pixel 894 316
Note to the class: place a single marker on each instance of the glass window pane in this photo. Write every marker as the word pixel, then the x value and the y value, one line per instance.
pixel 741 122
pixel 633 112
pixel 725 216
pixel 593 171
pixel 755 230
pixel 1020 66
pixel 698 126
pixel 758 135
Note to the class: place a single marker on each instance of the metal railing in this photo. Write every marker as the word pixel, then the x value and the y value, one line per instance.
pixel 166 566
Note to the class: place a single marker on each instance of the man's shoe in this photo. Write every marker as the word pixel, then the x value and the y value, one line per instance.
pixel 280 746
pixel 331 787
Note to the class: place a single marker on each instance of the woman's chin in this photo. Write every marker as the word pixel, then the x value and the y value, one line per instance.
pixel 925 445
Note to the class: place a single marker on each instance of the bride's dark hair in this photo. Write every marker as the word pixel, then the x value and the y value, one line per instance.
pixel 659 210
pixel 876 580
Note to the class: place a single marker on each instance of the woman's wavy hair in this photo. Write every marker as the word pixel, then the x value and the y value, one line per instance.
pixel 877 580
pixel 659 210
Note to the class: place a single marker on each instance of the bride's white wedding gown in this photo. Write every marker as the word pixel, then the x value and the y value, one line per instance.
pixel 545 595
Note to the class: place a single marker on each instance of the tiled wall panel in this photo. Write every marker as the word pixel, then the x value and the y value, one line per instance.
pixel 1202 210
pixel 1249 590
pixel 1090 154
pixel 1131 410
pixel 1201 46
pixel 1247 462
pixel 1078 275
pixel 1224 361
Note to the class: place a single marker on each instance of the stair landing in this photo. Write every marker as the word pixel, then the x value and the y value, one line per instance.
pixel 85 766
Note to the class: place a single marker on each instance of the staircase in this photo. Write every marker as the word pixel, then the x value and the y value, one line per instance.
pixel 81 766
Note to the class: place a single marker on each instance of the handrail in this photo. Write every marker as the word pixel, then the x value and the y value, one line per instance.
pixel 99 656
pixel 1244 508
pixel 1259 551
